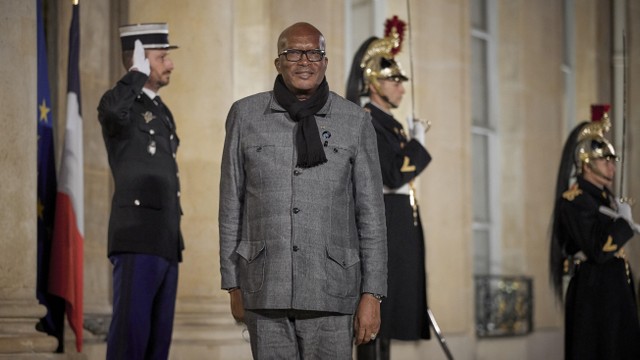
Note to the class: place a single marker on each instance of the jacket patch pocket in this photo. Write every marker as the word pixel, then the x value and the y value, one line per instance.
pixel 343 271
pixel 140 199
pixel 251 264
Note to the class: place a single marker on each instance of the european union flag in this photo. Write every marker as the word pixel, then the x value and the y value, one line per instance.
pixel 53 322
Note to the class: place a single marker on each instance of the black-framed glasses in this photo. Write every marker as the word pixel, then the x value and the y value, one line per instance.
pixel 295 55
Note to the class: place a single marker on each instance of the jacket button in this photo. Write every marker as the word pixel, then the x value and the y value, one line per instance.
pixel 335 150
pixel 297 172
pixel 178 193
pixel 152 131
pixel 295 248
pixel 136 202
pixel 171 137
pixel 296 210
pixel 174 155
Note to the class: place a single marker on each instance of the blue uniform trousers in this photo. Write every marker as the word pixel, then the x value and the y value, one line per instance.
pixel 144 297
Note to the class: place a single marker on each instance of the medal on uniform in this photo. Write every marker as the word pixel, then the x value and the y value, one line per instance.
pixel 151 148
pixel 148 116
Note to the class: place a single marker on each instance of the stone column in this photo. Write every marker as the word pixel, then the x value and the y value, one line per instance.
pixel 19 309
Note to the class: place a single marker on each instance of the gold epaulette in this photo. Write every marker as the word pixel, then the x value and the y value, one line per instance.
pixel 572 193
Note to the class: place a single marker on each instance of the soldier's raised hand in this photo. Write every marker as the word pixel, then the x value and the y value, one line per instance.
pixel 140 61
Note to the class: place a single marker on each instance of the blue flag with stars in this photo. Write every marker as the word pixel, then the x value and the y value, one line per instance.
pixel 53 322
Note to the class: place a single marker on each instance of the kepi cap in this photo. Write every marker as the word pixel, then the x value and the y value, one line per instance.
pixel 152 36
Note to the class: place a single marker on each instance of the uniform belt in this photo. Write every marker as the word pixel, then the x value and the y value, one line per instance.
pixel 402 190
pixel 572 263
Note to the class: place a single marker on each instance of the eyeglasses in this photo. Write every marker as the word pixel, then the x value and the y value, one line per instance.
pixel 295 55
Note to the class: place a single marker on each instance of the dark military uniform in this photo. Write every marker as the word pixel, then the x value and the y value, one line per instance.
pixel 404 310
pixel 145 241
pixel 141 141
pixel 600 308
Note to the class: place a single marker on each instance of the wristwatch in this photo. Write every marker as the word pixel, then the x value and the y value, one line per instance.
pixel 377 296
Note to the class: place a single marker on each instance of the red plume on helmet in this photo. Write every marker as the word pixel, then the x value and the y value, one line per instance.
pixel 598 111
pixel 397 25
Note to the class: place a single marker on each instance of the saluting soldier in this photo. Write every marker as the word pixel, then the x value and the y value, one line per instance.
pixel 145 241
pixel 590 227
pixel 377 75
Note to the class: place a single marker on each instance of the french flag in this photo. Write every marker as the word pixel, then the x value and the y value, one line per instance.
pixel 66 268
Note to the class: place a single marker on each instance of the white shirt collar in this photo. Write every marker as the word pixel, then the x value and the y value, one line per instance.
pixel 152 95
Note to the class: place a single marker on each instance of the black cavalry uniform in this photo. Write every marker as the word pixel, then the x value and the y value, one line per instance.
pixel 600 308
pixel 404 310
pixel 141 141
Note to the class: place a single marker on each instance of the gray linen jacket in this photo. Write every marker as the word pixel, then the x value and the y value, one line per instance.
pixel 301 238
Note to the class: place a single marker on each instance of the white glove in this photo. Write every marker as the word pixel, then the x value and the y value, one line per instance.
pixel 140 62
pixel 417 129
pixel 624 211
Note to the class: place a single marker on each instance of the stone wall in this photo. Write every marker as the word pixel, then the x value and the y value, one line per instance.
pixel 226 52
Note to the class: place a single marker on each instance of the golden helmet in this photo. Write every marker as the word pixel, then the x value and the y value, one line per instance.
pixel 591 143
pixel 375 61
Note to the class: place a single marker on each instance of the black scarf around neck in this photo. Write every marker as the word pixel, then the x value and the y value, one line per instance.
pixel 308 144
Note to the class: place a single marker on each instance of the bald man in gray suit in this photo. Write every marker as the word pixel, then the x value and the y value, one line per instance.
pixel 302 227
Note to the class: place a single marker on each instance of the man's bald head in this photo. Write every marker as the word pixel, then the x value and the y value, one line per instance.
pixel 297 30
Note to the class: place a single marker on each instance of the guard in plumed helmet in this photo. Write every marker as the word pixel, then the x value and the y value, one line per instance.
pixel 377 75
pixel 589 229
pixel 144 241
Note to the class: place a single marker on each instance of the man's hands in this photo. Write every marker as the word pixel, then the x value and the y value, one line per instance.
pixel 237 307
pixel 366 323
pixel 140 61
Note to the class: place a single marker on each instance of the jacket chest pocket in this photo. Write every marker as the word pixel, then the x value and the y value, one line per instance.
pixel 150 138
pixel 266 164
pixel 339 163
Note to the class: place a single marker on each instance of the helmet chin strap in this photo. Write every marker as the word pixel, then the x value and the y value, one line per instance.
pixel 378 89
pixel 598 172
pixel 386 99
